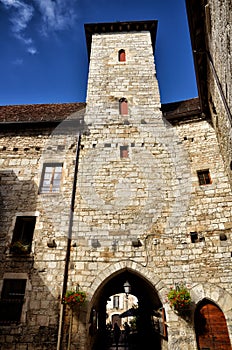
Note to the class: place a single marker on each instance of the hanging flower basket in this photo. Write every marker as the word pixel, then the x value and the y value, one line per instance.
pixel 179 298
pixel 74 298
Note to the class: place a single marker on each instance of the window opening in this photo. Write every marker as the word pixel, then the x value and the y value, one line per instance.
pixel 194 237
pixel 12 299
pixel 51 178
pixel 121 55
pixel 204 177
pixel 116 301
pixel 124 152
pixel 123 106
pixel 23 234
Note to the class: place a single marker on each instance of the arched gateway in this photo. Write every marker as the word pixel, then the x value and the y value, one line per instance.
pixel 150 327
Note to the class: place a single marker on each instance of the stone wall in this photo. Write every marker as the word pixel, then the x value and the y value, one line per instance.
pixel 218 37
pixel 137 179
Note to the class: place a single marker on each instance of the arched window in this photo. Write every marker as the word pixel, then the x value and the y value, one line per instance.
pixel 123 106
pixel 121 55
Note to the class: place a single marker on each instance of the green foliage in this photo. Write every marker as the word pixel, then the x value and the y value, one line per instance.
pixel 179 298
pixel 73 298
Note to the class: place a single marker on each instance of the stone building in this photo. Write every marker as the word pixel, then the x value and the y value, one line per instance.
pixel 118 189
pixel 211 36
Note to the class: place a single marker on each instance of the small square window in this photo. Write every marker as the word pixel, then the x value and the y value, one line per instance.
pixel 23 235
pixel 124 153
pixel 12 299
pixel 204 177
pixel 51 178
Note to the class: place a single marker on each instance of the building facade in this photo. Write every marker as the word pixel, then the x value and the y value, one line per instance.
pixel 118 189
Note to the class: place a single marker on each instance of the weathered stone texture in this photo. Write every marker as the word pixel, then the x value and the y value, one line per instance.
pixel 152 194
pixel 219 40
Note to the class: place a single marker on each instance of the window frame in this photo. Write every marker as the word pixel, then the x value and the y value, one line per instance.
pixel 204 177
pixel 121 55
pixel 51 179
pixel 123 107
pixel 12 301
pixel 124 152
pixel 22 237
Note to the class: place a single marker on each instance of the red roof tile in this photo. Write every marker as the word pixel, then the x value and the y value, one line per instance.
pixel 39 112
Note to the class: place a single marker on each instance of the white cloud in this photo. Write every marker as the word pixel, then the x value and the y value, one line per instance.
pixel 53 15
pixel 56 15
pixel 20 16
pixel 32 50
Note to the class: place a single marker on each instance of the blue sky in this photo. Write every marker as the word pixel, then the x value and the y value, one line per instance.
pixel 43 49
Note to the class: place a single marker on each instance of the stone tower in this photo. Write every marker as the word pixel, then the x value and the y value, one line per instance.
pixel 151 206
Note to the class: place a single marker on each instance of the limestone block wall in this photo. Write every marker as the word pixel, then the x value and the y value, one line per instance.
pixel 152 194
pixel 22 156
pixel 109 80
pixel 137 179
pixel 219 40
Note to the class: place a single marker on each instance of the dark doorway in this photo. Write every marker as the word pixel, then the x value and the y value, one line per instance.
pixel 211 328
pixel 149 330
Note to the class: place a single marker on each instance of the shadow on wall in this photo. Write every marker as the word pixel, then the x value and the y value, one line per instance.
pixel 16 196
pixel 20 280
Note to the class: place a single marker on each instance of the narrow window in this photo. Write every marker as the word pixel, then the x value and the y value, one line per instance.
pixel 116 302
pixel 194 237
pixel 204 177
pixel 12 298
pixel 23 235
pixel 124 153
pixel 123 106
pixel 51 178
pixel 121 55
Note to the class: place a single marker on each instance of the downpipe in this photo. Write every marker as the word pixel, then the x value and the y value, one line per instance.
pixel 68 249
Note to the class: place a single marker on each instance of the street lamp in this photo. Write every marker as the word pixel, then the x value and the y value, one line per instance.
pixel 127 288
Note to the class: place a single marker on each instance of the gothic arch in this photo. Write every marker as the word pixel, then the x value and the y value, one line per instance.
pixel 142 271
pixel 145 285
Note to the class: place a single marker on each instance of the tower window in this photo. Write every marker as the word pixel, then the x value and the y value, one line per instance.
pixel 12 299
pixel 204 177
pixel 121 55
pixel 51 177
pixel 124 152
pixel 23 235
pixel 123 106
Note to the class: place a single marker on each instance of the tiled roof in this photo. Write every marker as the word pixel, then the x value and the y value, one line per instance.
pixel 182 110
pixel 175 111
pixel 39 112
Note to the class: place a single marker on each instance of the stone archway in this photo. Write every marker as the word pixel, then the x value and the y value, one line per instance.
pixel 210 326
pixel 143 286
pixel 219 301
